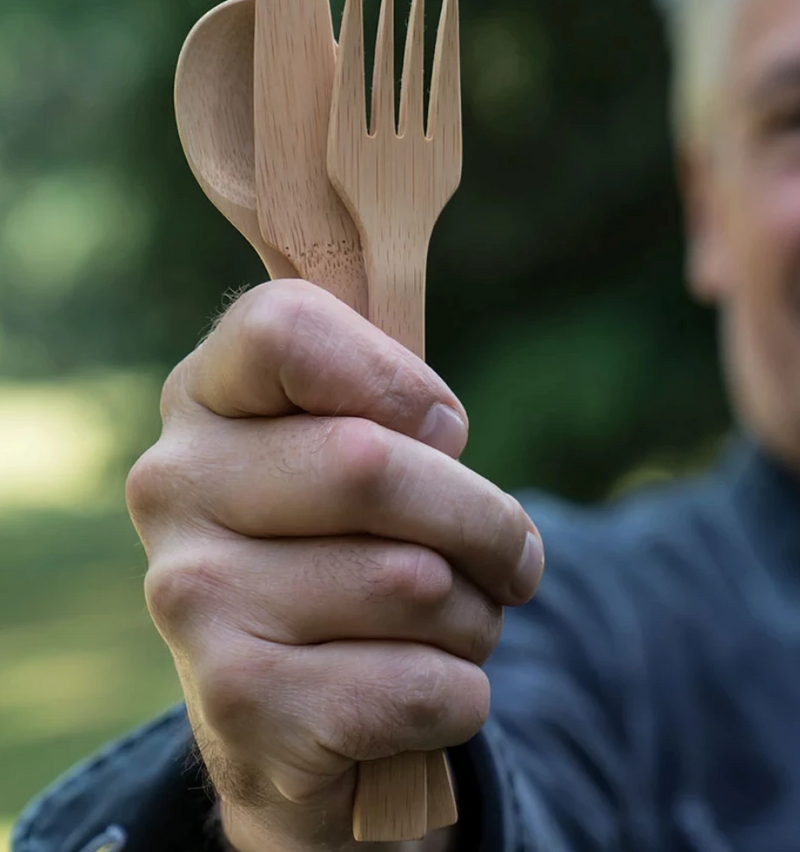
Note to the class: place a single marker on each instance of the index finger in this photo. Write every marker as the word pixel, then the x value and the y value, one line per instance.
pixel 288 346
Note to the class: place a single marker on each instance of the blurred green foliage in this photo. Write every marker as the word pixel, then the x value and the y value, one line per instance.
pixel 79 659
pixel 556 310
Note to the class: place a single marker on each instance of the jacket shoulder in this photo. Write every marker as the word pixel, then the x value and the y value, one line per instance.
pixel 136 793
pixel 660 522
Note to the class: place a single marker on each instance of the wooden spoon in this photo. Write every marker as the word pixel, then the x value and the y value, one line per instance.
pixel 214 112
pixel 216 107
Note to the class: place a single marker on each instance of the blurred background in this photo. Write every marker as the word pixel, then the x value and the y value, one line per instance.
pixel 556 311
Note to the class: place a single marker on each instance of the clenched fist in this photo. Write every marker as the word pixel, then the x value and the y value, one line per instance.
pixel 327 575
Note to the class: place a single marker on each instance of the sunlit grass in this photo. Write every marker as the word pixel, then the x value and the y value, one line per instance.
pixel 55 447
pixel 5 833
pixel 59 440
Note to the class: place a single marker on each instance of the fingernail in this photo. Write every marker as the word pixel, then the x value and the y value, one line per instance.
pixel 530 569
pixel 444 430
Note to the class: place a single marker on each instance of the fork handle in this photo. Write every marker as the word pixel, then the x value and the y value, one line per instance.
pixel 405 796
pixel 396 286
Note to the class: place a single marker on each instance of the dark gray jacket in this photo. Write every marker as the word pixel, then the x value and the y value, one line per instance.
pixel 649 698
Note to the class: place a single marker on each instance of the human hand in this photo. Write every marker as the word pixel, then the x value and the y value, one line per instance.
pixel 327 575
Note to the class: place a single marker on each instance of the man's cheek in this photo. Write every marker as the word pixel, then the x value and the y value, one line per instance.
pixel 779 278
pixel 775 215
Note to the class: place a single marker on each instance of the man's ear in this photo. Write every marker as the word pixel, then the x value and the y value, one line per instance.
pixel 706 258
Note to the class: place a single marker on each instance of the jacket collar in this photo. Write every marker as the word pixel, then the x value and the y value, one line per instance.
pixel 766 498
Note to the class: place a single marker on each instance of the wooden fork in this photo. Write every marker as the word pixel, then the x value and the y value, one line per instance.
pixel 395 180
pixel 395 183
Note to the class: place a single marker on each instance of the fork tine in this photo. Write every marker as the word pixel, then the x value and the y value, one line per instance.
pixel 348 107
pixel 411 91
pixel 444 109
pixel 383 109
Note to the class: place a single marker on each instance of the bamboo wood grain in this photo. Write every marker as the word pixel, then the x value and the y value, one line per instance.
pixel 395 180
pixel 214 114
pixel 442 810
pixel 392 799
pixel 298 210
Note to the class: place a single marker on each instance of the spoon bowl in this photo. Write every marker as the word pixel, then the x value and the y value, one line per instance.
pixel 214 110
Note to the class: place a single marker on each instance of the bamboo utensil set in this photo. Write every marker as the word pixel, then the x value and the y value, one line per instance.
pixel 272 118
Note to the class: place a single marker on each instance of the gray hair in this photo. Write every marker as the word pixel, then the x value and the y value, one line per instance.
pixel 699 31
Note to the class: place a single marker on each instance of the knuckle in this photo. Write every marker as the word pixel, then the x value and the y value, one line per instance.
pixel 154 481
pixel 423 685
pixel 486 631
pixel 428 692
pixel 361 733
pixel 362 451
pixel 410 701
pixel 413 574
pixel 404 387
pixel 145 484
pixel 173 391
pixel 229 696
pixel 174 594
pixel 138 486
pixel 476 705
pixel 512 517
pixel 395 381
pixel 405 699
pixel 269 318
pixel 507 530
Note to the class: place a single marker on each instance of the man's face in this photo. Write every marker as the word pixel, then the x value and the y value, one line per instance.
pixel 744 220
